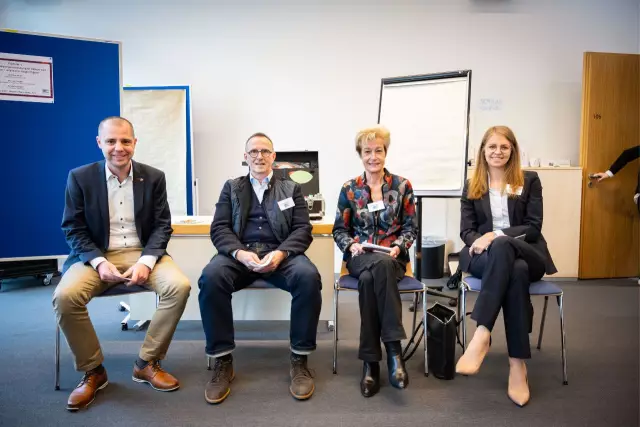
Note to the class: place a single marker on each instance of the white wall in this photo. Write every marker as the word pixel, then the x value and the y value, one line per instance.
pixel 308 72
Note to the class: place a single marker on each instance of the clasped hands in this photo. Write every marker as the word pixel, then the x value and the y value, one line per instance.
pixel 482 243
pixel 247 257
pixel 137 274
pixel 357 249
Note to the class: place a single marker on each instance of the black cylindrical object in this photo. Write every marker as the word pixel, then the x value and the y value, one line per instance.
pixel 432 261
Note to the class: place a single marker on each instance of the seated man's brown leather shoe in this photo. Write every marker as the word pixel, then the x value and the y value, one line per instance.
pixel 85 392
pixel 155 376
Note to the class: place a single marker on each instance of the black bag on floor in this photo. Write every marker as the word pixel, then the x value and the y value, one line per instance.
pixel 441 341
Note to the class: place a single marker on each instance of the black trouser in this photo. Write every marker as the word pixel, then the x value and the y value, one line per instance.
pixel 507 268
pixel 380 306
pixel 224 275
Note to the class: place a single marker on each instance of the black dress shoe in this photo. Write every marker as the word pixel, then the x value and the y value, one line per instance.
pixel 370 382
pixel 398 376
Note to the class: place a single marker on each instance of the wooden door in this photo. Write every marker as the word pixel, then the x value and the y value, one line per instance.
pixel 610 224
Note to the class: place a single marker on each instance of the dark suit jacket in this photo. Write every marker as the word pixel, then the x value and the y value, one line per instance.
pixel 85 221
pixel 525 217
pixel 291 226
pixel 627 156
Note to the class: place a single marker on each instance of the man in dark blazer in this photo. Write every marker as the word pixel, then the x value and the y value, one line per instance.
pixel 117 223
pixel 260 229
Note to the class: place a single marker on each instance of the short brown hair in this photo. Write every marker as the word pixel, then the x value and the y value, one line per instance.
pixel 257 134
pixel 115 118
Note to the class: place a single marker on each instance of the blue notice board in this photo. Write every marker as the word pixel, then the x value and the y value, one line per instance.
pixel 41 142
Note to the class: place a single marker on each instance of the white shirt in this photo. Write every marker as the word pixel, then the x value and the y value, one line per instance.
pixel 259 187
pixel 499 211
pixel 122 221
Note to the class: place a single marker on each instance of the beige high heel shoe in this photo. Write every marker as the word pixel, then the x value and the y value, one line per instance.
pixel 519 395
pixel 470 362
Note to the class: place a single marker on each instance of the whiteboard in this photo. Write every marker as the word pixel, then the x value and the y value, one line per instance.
pixel 160 117
pixel 428 118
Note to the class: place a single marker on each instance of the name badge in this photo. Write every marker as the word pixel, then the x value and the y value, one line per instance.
pixel 376 206
pixel 510 190
pixel 286 204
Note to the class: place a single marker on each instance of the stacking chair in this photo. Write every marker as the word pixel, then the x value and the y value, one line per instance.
pixel 120 289
pixel 540 288
pixel 407 285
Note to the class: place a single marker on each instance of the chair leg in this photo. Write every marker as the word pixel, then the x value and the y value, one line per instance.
pixel 208 363
pixel 57 386
pixel 416 296
pixel 335 331
pixel 563 338
pixel 544 316
pixel 463 316
pixel 424 331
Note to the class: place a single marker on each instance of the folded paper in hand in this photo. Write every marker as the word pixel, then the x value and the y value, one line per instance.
pixel 371 247
pixel 265 262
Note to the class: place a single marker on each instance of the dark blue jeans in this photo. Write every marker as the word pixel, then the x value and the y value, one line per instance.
pixel 224 275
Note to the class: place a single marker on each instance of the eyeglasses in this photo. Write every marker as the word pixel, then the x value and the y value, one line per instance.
pixel 264 152
pixel 502 148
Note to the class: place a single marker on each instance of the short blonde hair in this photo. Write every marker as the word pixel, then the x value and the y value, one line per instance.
pixel 369 134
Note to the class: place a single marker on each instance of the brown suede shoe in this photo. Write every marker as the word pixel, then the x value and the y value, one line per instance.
pixel 302 385
pixel 155 376
pixel 85 393
pixel 219 387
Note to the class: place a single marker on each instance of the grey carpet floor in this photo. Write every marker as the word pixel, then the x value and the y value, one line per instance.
pixel 603 364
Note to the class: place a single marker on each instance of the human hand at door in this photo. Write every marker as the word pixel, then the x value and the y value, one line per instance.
pixel 600 176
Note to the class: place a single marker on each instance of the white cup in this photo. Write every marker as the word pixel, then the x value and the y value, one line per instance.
pixel 534 162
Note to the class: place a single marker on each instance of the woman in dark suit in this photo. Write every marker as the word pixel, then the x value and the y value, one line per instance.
pixel 501 223
pixel 377 207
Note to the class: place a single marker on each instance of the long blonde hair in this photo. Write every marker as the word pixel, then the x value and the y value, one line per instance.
pixel 513 175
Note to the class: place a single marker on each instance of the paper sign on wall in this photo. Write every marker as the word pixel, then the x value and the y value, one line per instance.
pixel 26 78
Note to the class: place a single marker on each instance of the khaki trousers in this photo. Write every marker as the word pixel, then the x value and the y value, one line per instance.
pixel 81 283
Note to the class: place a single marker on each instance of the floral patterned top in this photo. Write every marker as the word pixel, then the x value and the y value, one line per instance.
pixel 395 225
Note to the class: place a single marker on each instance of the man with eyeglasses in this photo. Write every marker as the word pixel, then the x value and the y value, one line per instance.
pixel 260 229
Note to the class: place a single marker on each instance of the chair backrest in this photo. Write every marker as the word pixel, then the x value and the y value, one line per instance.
pixel 345 272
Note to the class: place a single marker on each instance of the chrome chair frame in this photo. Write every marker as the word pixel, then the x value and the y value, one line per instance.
pixel 409 274
pixel 557 292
